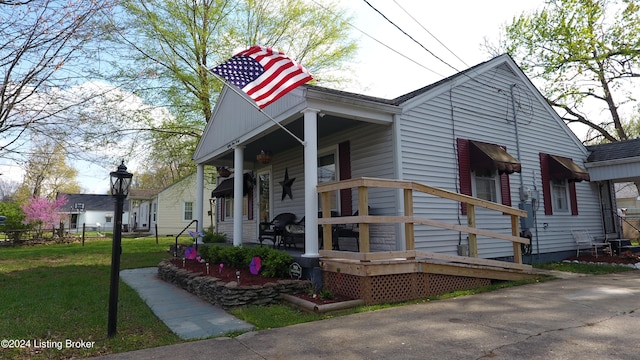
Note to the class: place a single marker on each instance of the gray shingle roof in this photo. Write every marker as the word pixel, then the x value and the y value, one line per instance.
pixel 614 150
pixel 93 202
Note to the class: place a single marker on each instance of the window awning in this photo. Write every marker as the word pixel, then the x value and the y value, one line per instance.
pixel 225 189
pixel 562 168
pixel 485 156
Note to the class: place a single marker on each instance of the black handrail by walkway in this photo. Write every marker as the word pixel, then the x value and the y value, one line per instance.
pixel 175 249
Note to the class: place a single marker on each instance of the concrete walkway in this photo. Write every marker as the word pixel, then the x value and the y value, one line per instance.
pixel 588 317
pixel 185 314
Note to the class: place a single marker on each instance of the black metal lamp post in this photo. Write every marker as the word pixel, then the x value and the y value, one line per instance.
pixel 120 181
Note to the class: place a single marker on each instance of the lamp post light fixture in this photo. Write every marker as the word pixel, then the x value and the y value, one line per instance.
pixel 120 182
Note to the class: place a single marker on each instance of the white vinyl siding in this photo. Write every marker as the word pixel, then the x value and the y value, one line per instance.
pixel 482 110
pixel 170 206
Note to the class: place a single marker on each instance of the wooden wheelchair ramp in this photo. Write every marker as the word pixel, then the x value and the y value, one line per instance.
pixel 391 276
pixel 381 277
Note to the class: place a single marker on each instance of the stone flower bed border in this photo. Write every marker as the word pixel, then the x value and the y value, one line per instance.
pixel 229 294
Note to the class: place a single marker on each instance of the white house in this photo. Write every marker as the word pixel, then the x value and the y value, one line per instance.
pixel 140 202
pixel 485 132
pixel 174 208
pixel 169 211
pixel 94 212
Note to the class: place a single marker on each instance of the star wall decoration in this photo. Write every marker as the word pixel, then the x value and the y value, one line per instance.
pixel 286 185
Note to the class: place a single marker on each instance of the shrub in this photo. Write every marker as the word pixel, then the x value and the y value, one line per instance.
pixel 274 262
pixel 214 237
pixel 234 256
pixel 326 294
pixel 13 225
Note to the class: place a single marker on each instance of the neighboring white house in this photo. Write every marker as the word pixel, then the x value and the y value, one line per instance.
pixel 140 203
pixel 94 212
pixel 485 132
pixel 169 211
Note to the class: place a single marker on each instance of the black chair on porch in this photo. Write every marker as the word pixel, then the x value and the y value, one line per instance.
pixel 274 230
pixel 294 234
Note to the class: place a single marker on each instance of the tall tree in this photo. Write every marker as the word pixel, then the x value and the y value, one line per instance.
pixel 165 47
pixel 47 174
pixel 587 54
pixel 8 188
pixel 40 45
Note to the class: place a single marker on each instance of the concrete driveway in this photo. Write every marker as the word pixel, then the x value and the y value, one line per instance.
pixel 590 317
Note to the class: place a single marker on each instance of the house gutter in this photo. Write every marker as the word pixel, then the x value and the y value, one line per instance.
pixel 623 161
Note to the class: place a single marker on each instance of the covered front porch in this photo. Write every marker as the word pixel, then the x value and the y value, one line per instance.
pixel 608 165
pixel 282 155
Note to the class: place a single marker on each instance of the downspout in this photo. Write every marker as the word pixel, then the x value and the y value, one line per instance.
pixel 399 174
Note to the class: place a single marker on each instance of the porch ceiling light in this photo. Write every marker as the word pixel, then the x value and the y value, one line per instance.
pixel 264 156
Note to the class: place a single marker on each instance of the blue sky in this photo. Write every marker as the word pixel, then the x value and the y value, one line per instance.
pixel 461 25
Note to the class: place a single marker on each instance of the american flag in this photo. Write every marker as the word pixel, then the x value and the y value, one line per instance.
pixel 263 73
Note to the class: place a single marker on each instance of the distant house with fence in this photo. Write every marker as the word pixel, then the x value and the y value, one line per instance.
pixel 628 209
pixel 94 212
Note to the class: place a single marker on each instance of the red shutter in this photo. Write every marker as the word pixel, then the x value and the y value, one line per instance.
pixel 344 166
pixel 546 183
pixel 250 204
pixel 505 188
pixel 221 204
pixel 464 170
pixel 573 198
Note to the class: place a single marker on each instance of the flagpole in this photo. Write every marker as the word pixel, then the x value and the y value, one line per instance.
pixel 233 88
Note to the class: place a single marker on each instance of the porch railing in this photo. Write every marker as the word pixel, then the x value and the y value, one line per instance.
pixel 363 219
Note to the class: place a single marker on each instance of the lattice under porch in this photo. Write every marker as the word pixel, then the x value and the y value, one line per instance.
pixel 404 279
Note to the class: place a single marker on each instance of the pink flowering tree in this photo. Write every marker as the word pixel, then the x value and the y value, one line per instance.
pixel 43 213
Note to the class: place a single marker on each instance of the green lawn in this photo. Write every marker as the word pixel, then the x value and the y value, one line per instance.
pixel 60 292
pixel 55 293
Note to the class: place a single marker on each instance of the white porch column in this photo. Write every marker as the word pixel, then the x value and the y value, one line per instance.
pixel 311 183
pixel 199 199
pixel 238 170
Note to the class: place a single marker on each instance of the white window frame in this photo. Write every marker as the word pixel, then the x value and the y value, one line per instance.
pixel 560 192
pixel 184 210
pixel 496 182
pixel 228 207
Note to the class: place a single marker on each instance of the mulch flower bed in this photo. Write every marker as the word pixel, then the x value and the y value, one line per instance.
pixel 229 274
pixel 225 273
